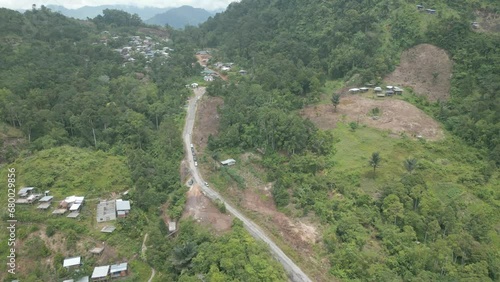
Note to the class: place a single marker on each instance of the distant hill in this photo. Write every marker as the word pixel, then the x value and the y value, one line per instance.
pixel 180 17
pixel 91 12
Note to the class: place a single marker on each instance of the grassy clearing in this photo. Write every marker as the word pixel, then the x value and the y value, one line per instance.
pixel 67 171
pixel 446 171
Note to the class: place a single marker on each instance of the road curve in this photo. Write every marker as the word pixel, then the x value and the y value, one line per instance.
pixel 294 272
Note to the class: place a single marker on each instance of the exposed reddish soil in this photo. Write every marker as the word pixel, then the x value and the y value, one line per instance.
pixel 397 116
pixel 298 233
pixel 207 121
pixel 425 68
pixel 201 209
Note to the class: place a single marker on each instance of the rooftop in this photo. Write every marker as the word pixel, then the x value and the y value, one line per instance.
pixel 118 267
pixel 25 191
pixel 74 214
pixel 74 199
pixel 72 261
pixel 122 205
pixel 172 226
pixel 100 271
pixel 83 279
pixel 46 199
pixel 59 211
pixel 108 229
pixel 43 206
pixel 106 211
pixel 228 161
pixel 97 250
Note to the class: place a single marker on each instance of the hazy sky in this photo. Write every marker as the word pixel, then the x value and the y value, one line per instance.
pixel 72 4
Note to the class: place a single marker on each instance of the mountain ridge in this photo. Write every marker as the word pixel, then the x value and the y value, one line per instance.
pixel 181 16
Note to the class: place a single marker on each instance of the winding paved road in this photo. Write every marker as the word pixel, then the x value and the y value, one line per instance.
pixel 294 272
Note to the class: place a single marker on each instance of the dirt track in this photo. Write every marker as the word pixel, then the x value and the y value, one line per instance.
pixel 293 271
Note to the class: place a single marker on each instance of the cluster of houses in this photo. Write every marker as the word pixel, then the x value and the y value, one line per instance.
pixel 228 67
pixel 390 90
pixel 100 273
pixel 142 47
pixel 71 204
pixel 106 211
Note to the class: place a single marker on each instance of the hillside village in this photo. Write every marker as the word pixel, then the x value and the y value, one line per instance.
pixel 107 211
pixel 278 141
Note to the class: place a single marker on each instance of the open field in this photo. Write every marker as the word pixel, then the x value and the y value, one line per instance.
pixel 395 116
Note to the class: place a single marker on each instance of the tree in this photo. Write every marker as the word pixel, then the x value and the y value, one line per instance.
pixel 411 164
pixel 183 254
pixel 374 161
pixel 392 208
pixel 335 101
pixel 353 125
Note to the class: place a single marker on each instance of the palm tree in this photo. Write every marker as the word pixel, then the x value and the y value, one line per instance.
pixel 374 161
pixel 335 101
pixel 411 164
pixel 183 254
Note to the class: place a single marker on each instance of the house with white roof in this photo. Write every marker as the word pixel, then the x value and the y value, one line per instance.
pixel 118 270
pixel 100 273
pixel 122 208
pixel 73 262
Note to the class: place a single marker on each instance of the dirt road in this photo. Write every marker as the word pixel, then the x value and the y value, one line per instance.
pixel 294 272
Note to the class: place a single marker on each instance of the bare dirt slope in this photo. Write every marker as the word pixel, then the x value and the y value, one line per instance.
pixel 201 209
pixel 396 116
pixel 300 234
pixel 425 68
pixel 207 121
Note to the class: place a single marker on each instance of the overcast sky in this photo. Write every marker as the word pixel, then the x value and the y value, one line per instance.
pixel 73 4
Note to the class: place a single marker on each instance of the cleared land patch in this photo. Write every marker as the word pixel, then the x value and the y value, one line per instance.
pixel 201 209
pixel 425 68
pixel 395 116
pixel 488 21
pixel 207 121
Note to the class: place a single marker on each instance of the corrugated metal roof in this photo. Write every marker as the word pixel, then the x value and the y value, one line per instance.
pixel 25 190
pixel 100 271
pixel 122 205
pixel 108 229
pixel 43 206
pixel 72 261
pixel 118 267
pixel 228 161
pixel 172 226
pixel 74 214
pixel 46 199
pixel 83 279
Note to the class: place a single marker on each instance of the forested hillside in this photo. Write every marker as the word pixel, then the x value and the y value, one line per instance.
pixel 290 44
pixel 98 121
pixel 389 209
